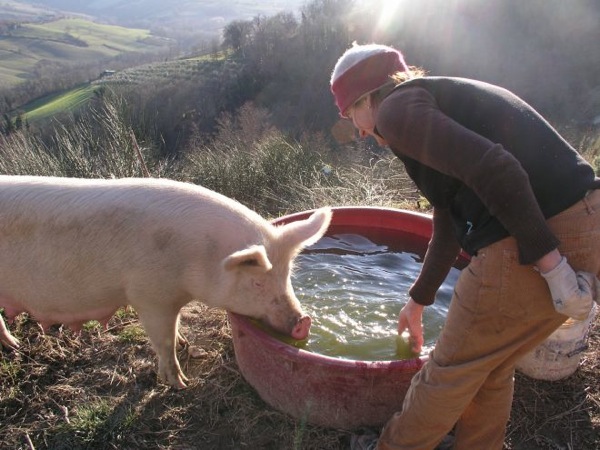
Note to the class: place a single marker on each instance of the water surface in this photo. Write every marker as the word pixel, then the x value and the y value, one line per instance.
pixel 354 288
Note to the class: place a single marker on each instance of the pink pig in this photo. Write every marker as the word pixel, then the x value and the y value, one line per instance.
pixel 74 250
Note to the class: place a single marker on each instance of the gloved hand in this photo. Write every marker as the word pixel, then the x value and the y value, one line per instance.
pixel 572 293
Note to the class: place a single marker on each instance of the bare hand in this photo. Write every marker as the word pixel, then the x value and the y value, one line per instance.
pixel 411 319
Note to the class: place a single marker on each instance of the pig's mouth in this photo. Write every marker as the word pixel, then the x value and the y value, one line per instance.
pixel 301 328
pixel 298 329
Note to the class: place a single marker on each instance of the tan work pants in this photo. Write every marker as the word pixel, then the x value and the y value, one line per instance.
pixel 500 310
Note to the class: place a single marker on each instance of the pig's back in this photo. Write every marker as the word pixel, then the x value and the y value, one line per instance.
pixel 59 234
pixel 121 209
pixel 69 197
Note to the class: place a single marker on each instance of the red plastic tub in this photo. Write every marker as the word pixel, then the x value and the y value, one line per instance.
pixel 322 390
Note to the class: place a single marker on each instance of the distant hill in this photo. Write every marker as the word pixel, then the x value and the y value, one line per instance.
pixel 208 16
pixel 44 32
pixel 155 74
pixel 26 47
pixel 12 10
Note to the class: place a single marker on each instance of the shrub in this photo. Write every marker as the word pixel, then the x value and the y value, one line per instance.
pixel 98 144
pixel 263 178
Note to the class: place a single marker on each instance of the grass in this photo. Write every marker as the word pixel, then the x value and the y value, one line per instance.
pixel 71 100
pixel 61 103
pixel 89 420
pixel 67 40
pixel 8 369
pixel 99 390
pixel 132 333
pixel 169 72
pixel 92 34
pixel 265 177
pixel 95 391
pixel 97 144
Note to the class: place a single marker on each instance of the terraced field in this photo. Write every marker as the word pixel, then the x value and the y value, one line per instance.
pixel 200 68
pixel 172 71
pixel 57 103
pixel 67 41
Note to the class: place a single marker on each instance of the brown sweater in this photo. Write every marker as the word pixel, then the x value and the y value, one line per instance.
pixel 488 163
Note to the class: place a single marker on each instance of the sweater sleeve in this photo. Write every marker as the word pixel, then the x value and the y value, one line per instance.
pixel 413 125
pixel 442 252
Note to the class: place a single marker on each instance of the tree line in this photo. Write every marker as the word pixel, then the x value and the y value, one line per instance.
pixel 543 50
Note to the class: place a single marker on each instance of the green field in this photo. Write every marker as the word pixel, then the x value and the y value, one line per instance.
pixel 196 68
pixel 58 103
pixel 67 41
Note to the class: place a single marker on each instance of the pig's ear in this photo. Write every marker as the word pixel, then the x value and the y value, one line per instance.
pixel 303 233
pixel 255 256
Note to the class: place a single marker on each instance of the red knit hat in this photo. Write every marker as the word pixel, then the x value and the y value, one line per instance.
pixel 363 69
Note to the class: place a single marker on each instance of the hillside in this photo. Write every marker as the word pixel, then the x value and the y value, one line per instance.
pixel 25 48
pixel 62 102
pixel 186 69
pixel 156 74
pixel 208 16
pixel 16 11
pixel 542 51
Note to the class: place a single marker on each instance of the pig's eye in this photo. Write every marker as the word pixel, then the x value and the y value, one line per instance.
pixel 250 262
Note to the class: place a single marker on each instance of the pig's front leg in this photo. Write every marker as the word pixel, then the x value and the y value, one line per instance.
pixel 6 338
pixel 181 339
pixel 161 327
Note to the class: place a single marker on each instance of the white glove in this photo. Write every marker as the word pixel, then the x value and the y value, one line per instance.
pixel 572 293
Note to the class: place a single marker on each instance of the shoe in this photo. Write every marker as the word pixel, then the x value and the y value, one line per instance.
pixel 447 443
pixel 367 441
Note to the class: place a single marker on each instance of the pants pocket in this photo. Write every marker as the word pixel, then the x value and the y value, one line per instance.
pixel 524 292
pixel 512 302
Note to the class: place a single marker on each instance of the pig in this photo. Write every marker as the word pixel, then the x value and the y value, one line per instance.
pixel 74 250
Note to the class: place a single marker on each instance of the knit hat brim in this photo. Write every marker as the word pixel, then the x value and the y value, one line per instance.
pixel 366 75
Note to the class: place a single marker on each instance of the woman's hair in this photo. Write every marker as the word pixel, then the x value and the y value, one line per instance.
pixel 412 72
pixel 395 79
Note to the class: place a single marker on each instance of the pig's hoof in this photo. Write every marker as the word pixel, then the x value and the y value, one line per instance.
pixel 176 383
pixel 175 378
pixel 181 340
pixel 179 383
pixel 10 341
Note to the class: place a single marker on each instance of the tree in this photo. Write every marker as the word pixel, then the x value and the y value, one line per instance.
pixel 237 34
pixel 19 121
pixel 9 127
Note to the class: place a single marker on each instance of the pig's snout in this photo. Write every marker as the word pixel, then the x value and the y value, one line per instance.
pixel 301 328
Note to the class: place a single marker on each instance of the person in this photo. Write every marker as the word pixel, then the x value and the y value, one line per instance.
pixel 508 190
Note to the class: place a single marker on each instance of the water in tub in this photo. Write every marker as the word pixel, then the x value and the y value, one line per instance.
pixel 354 289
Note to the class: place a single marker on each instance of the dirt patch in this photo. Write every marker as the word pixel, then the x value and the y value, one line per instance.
pixel 98 390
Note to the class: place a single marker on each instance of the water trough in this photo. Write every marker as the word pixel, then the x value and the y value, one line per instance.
pixel 322 390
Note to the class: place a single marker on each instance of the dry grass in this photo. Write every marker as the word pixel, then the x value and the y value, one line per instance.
pixel 98 390
pixel 559 415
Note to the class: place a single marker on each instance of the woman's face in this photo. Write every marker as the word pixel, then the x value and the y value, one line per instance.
pixel 362 114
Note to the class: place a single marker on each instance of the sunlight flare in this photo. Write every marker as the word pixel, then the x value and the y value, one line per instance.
pixel 389 10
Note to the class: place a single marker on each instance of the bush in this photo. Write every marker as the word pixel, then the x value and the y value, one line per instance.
pixel 99 144
pixel 264 177
pixel 248 160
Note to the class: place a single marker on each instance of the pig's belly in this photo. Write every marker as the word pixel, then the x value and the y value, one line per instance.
pixel 60 311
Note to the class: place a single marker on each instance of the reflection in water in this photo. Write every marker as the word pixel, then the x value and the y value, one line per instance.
pixel 354 289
